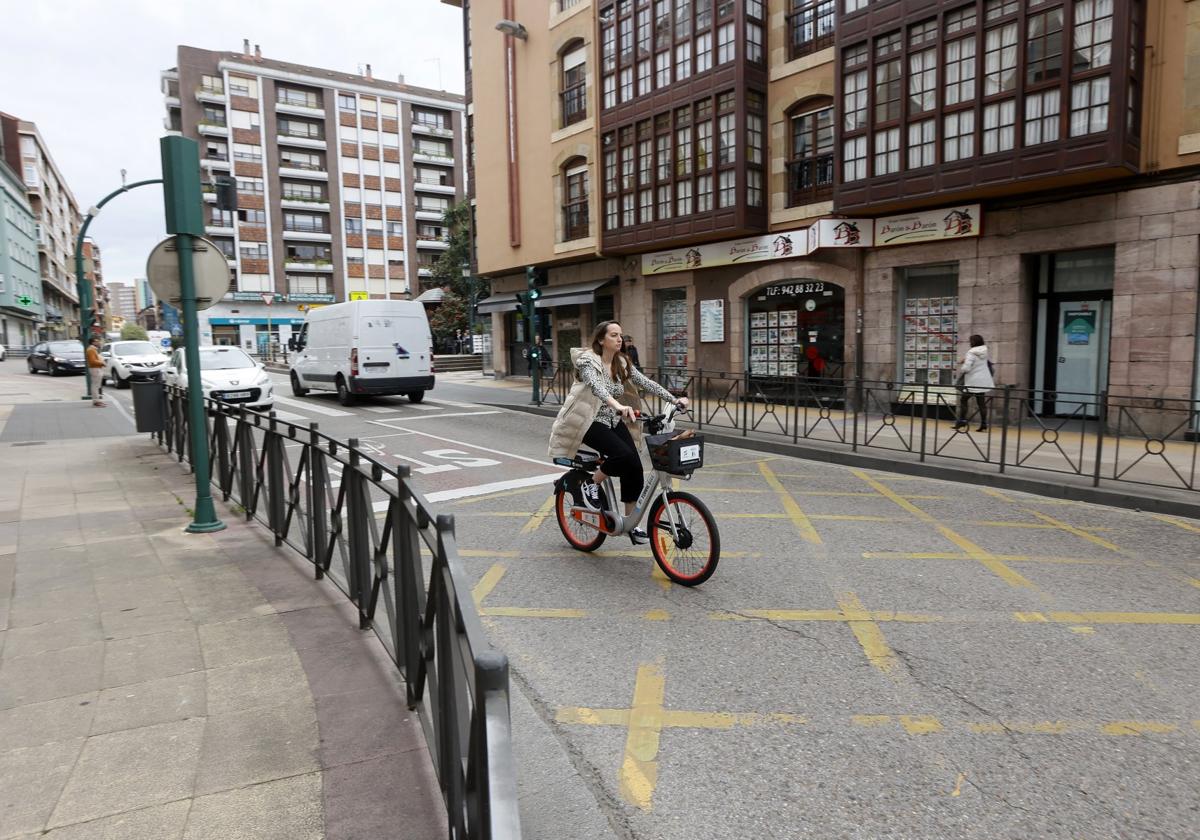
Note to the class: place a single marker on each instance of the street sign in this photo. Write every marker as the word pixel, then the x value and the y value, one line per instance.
pixel 209 265
pixel 358 296
pixel 268 298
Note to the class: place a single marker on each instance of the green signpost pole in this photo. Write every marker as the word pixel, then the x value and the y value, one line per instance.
pixel 185 218
pixel 86 302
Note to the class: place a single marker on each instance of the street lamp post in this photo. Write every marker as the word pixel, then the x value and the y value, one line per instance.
pixel 86 302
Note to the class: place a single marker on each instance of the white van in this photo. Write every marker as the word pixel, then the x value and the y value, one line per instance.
pixel 364 347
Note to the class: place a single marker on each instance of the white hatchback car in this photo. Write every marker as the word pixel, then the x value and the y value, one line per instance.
pixel 125 361
pixel 228 375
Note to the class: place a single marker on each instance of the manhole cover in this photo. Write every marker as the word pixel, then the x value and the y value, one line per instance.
pixel 31 443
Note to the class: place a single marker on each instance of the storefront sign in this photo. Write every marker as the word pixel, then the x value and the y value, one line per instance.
pixel 775 246
pixel 309 297
pixel 254 296
pixel 841 233
pixel 928 226
pixel 712 320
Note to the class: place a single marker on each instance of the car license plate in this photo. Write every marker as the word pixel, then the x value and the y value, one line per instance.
pixel 237 395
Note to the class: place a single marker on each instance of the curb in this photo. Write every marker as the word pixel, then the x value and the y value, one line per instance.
pixel 1001 481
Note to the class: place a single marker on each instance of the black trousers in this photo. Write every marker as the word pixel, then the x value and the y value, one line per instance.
pixel 620 457
pixel 964 401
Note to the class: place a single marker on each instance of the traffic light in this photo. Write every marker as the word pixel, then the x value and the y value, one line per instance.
pixel 226 193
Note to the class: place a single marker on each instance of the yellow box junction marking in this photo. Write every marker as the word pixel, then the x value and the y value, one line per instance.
pixel 536 520
pixel 488 582
pixel 1079 532
pixel 990 561
pixel 802 523
pixel 645 720
pixel 869 636
pixel 1170 520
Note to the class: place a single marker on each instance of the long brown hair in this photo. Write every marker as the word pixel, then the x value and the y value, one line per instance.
pixel 620 363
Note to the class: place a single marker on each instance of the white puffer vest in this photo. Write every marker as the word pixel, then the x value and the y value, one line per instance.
pixel 580 407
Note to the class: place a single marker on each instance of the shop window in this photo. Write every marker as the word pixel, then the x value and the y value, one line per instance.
pixel 929 325
pixel 673 329
pixel 797 329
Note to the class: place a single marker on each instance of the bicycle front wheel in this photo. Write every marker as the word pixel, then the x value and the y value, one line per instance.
pixel 580 536
pixel 687 553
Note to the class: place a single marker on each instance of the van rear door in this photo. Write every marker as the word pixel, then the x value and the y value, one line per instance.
pixel 393 346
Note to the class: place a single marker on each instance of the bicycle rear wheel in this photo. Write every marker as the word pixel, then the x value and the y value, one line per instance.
pixel 688 557
pixel 579 536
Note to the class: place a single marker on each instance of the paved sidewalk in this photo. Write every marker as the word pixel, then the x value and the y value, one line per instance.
pixel 158 684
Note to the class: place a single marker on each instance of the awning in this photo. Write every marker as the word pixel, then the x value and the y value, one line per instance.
pixel 552 296
pixel 433 295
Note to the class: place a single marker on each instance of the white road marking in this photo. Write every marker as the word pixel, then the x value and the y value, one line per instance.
pixel 313 406
pixel 121 408
pixel 392 409
pixel 378 409
pixel 539 461
pixel 387 423
pixel 438 401
pixel 289 417
pixel 481 489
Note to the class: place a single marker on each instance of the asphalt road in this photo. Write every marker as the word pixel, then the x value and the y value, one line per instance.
pixel 877 656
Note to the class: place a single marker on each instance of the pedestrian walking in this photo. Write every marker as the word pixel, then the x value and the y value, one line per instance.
pixel 95 366
pixel 630 350
pixel 974 379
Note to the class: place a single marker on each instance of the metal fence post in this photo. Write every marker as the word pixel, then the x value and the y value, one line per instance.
pixel 1101 422
pixel 795 408
pixel 358 508
pixel 1004 427
pixel 745 402
pixel 246 465
pixel 276 485
pixel 698 399
pixel 408 583
pixel 924 416
pixel 318 536
pixel 857 404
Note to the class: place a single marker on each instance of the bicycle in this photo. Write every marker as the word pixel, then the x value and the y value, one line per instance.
pixel 683 534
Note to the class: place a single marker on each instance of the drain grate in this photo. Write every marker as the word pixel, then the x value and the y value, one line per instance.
pixel 31 443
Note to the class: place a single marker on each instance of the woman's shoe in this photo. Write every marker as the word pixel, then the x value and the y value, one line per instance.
pixel 982 429
pixel 638 537
pixel 959 425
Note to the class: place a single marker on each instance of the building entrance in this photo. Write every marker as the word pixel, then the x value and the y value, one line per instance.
pixel 1074 316
pixel 797 328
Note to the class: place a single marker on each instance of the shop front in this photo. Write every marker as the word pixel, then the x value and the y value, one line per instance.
pixel 796 328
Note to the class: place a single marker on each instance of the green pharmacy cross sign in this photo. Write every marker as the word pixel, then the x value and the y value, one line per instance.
pixel 25 300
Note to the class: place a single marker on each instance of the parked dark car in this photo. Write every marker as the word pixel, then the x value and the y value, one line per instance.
pixel 55 357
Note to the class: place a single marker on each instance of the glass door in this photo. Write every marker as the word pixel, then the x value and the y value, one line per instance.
pixel 1081 366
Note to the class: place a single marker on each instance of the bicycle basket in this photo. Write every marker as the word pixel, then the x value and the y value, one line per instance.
pixel 677 456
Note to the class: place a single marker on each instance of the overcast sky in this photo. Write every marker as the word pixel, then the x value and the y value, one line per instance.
pixel 87 72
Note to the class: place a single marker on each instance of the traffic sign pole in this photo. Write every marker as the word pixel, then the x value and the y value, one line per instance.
pixel 185 218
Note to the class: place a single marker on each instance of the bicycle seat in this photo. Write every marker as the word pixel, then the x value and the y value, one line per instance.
pixel 583 460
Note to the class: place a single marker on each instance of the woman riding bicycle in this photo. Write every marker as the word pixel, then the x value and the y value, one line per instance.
pixel 600 411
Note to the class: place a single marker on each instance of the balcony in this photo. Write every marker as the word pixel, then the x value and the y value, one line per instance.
pixel 810 28
pixel 431 185
pixel 307 235
pixel 286 171
pixel 290 202
pixel 299 109
pixel 216 162
pixel 210 94
pixel 307 265
pixel 432 130
pixel 430 215
pixel 440 243
pixel 212 129
pixel 428 157
pixel 304 142
pixel 810 180
pixel 172 126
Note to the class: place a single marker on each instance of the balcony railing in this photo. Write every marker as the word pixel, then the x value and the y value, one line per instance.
pixel 296 164
pixel 811 27
pixel 563 5
pixel 810 180
pixel 575 221
pixel 287 97
pixel 574 104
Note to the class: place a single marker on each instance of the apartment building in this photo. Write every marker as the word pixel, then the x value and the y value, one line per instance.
pixel 57 218
pixel 123 301
pixel 848 187
pixel 93 276
pixel 343 181
pixel 20 284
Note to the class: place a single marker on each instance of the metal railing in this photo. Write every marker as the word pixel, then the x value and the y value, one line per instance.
pixel 811 27
pixel 1101 438
pixel 365 527
pixel 810 179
